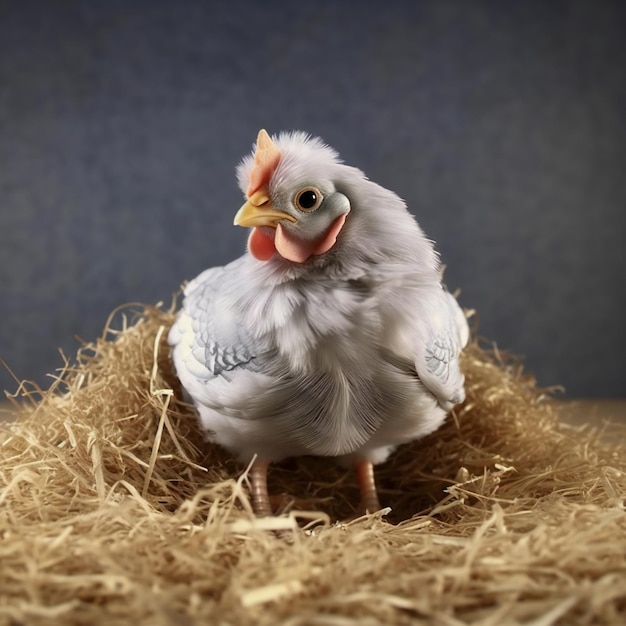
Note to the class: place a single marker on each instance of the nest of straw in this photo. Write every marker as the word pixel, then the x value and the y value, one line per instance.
pixel 114 510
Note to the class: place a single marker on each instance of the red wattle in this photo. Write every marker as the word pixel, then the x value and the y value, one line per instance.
pixel 330 238
pixel 291 248
pixel 260 246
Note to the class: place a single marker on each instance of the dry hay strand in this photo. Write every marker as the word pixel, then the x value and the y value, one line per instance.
pixel 113 510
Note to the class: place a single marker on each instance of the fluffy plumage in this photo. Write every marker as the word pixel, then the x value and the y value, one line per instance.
pixel 333 335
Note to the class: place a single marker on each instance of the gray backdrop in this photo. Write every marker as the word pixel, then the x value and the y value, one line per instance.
pixel 503 125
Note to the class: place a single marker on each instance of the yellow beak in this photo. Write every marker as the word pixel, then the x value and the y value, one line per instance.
pixel 258 211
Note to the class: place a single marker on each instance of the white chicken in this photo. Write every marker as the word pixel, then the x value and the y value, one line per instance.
pixel 332 335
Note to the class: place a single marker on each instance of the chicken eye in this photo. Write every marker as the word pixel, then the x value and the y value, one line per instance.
pixel 308 199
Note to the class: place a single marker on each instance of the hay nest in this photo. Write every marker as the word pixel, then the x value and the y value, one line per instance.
pixel 114 511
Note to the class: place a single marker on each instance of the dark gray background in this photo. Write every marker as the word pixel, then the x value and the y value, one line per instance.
pixel 503 125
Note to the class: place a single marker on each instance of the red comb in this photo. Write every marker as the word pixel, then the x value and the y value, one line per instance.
pixel 266 159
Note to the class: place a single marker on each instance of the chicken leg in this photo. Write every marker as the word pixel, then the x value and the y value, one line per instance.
pixel 369 497
pixel 258 488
